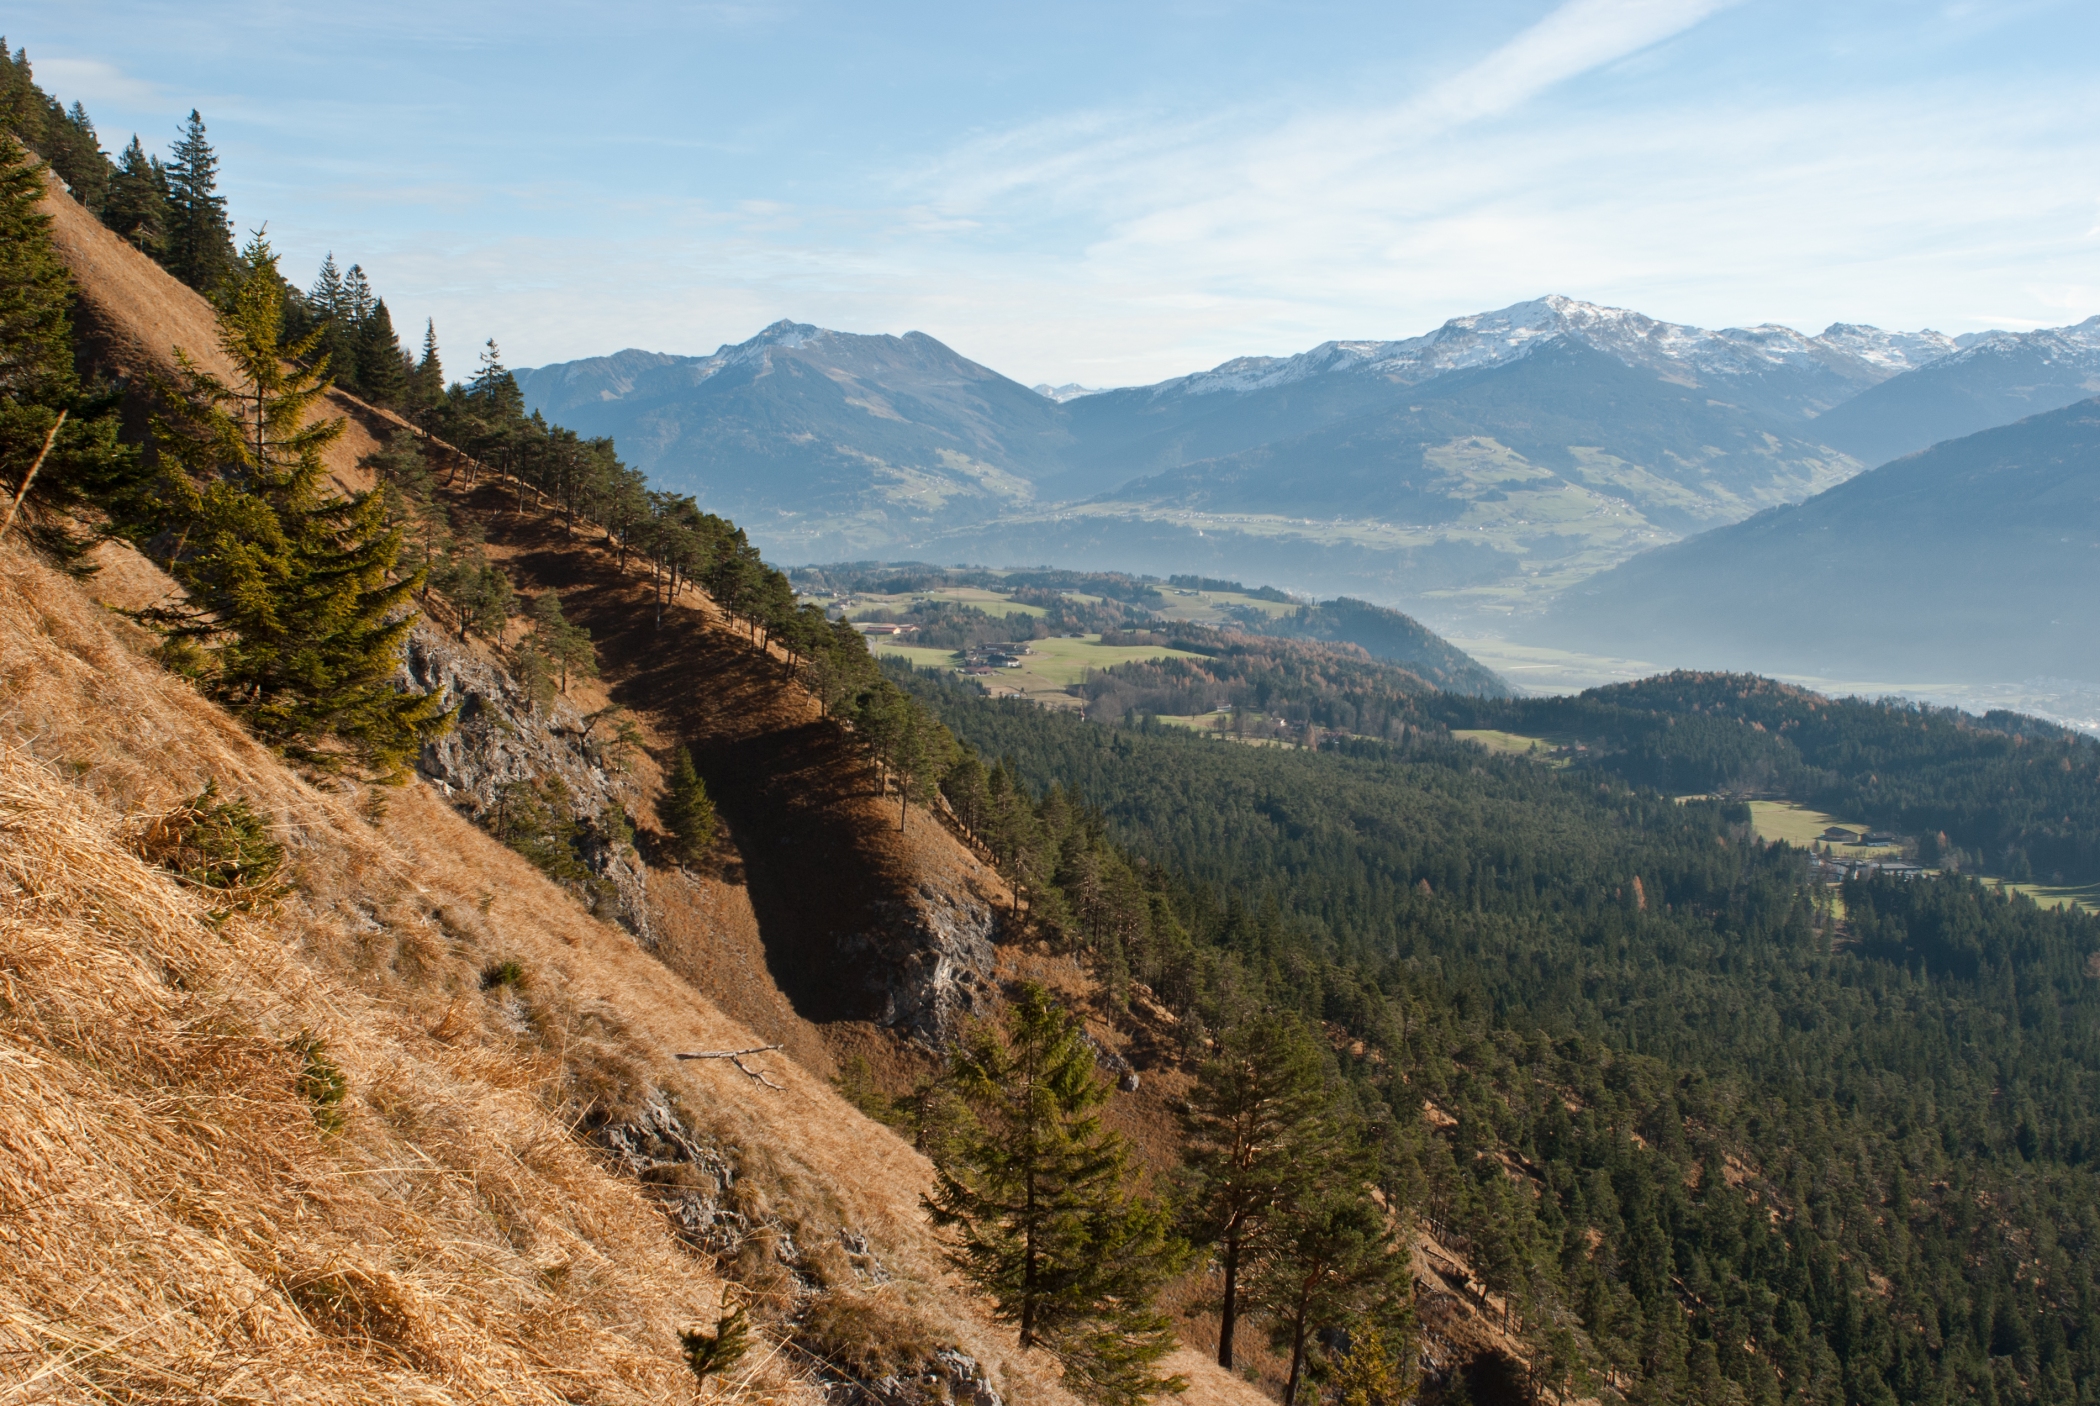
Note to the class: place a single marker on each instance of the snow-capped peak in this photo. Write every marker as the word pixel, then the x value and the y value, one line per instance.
pixel 1071 390
pixel 1852 353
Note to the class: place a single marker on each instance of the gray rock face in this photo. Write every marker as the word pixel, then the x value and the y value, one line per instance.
pixel 499 739
pixel 931 962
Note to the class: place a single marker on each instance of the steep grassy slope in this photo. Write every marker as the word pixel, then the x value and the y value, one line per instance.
pixel 522 1193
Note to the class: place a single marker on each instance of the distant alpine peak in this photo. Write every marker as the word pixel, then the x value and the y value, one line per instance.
pixel 1855 353
pixel 1071 390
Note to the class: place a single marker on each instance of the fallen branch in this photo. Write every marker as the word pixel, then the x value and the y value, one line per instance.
pixel 30 477
pixel 736 1057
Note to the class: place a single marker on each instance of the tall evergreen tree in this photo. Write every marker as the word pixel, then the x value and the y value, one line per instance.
pixel 382 371
pixel 86 465
pixel 1334 1263
pixel 292 592
pixel 200 238
pixel 137 207
pixel 687 812
pixel 1043 1196
pixel 1257 1133
pixel 329 301
pixel 427 385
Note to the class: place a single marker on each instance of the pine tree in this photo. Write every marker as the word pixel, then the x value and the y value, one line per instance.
pixel 495 388
pixel 687 812
pixel 382 371
pixel 1332 1262
pixel 427 385
pixel 1043 1198
pixel 86 465
pixel 292 591
pixel 200 239
pixel 569 646
pixel 1256 1134
pixel 137 206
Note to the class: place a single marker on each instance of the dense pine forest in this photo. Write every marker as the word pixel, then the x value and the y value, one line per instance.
pixel 1715 1142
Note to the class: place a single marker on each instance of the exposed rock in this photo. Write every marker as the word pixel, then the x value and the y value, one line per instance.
pixel 931 962
pixel 499 739
pixel 1106 1058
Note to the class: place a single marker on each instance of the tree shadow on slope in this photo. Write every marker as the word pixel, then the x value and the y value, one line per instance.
pixel 819 848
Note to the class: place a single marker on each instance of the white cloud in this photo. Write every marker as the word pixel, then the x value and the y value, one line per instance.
pixel 93 81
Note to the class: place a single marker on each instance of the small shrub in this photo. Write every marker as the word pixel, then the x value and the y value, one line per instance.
pixel 321 1082
pixel 223 846
pixel 499 974
pixel 711 1354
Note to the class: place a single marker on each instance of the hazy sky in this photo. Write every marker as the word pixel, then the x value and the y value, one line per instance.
pixel 1113 193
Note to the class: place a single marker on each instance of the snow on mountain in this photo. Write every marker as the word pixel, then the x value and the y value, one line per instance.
pixel 1677 351
pixel 2077 345
pixel 1071 390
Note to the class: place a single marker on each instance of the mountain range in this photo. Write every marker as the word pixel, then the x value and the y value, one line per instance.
pixel 1977 559
pixel 1475 471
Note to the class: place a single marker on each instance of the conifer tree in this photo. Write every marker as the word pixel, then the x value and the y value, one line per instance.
pixel 1043 1198
pixel 292 591
pixel 1333 1262
pixel 1257 1132
pixel 427 385
pixel 86 465
pixel 137 205
pixel 476 588
pixel 382 371
pixel 687 812
pixel 200 239
pixel 567 645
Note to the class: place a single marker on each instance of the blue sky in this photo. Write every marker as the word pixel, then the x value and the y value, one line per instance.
pixel 1114 193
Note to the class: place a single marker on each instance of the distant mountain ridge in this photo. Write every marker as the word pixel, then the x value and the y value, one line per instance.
pixel 1975 560
pixel 1992 380
pixel 1496 459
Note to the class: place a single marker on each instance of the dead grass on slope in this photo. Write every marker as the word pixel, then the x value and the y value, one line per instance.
pixel 193 1211
pixel 169 1182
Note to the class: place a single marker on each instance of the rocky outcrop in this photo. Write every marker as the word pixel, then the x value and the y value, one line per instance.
pixel 930 959
pixel 503 750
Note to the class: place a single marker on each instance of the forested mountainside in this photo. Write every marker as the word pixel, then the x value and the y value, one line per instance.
pixel 1975 559
pixel 1578 1090
pixel 1717 1134
pixel 2010 795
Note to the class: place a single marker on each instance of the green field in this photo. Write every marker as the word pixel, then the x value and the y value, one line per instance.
pixel 2056 896
pixel 1803 828
pixel 1510 743
pixel 990 602
pixel 1045 674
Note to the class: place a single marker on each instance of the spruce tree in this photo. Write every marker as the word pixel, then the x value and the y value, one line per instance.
pixel 1256 1133
pixel 382 371
pixel 687 812
pixel 87 467
pixel 569 646
pixel 292 591
pixel 200 239
pixel 427 386
pixel 1043 1198
pixel 137 206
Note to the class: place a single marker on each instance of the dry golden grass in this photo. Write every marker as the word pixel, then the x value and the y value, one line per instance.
pixel 179 1226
